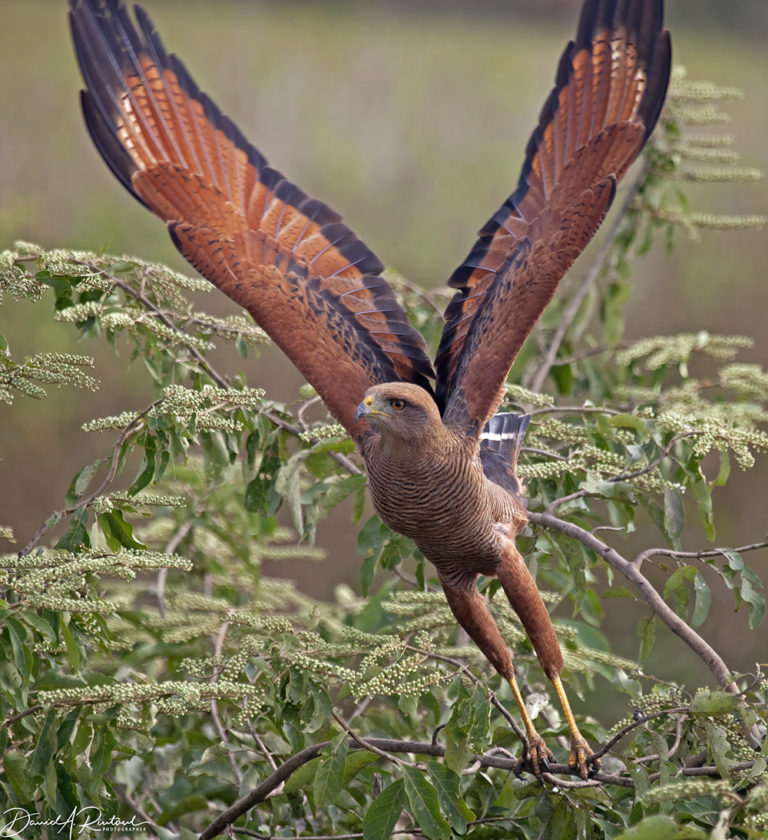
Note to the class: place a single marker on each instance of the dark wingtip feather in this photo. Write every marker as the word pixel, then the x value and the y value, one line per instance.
pixel 658 82
pixel 108 146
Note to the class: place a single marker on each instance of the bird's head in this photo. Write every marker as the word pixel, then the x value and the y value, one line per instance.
pixel 401 410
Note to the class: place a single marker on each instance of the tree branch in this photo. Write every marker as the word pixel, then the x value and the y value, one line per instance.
pixel 287 768
pixel 632 572
pixel 692 555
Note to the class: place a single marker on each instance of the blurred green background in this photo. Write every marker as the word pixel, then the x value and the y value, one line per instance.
pixel 411 119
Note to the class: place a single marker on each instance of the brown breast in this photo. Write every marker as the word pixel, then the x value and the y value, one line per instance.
pixel 436 494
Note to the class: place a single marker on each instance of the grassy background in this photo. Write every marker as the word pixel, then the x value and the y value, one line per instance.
pixel 410 119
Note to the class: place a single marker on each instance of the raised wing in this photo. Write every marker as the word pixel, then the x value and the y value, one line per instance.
pixel 608 93
pixel 287 258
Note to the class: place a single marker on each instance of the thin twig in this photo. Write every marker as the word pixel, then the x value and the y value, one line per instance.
pixel 218 646
pixel 625 730
pixel 693 555
pixel 117 449
pixel 655 463
pixel 367 745
pixel 162 575
pixel 464 669
pixel 287 768
pixel 30 711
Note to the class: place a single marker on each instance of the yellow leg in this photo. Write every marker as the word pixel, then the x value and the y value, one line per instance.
pixel 538 753
pixel 581 753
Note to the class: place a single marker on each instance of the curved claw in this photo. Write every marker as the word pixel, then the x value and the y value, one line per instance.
pixel 538 755
pixel 582 757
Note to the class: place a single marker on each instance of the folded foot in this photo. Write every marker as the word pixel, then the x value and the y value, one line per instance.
pixel 538 756
pixel 582 758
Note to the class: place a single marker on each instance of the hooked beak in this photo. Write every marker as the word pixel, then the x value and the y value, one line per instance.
pixel 366 409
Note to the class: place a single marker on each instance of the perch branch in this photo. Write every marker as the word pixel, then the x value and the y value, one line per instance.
pixel 702 648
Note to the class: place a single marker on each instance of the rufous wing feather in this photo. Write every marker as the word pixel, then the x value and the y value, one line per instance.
pixel 304 276
pixel 609 89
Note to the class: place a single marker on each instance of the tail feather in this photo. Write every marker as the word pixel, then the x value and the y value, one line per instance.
pixel 500 444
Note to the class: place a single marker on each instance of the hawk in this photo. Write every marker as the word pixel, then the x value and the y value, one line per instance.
pixel 441 466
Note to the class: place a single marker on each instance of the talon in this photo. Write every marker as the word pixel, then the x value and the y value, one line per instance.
pixel 581 758
pixel 539 755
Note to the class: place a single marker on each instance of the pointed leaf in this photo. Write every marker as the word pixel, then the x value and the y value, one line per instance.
pixel 702 602
pixel 714 703
pixel 674 516
pixel 446 783
pixel 646 629
pixel 381 817
pixel 702 492
pixel 45 745
pixel 425 805
pixel 329 776
pixel 81 481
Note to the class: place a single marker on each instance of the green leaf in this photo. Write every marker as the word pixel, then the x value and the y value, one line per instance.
pixel 147 468
pixel 563 377
pixel 102 758
pixel 383 814
pixel 117 531
pixel 458 750
pixel 618 592
pixel 662 827
pixel 356 761
pixel 646 630
pixel 446 784
pixel 755 601
pixel 676 588
pixel 72 648
pixel 719 747
pixel 702 602
pixel 188 805
pixel 22 655
pixel 303 778
pixel 628 421
pixel 674 516
pixel 702 492
pixel 321 708
pixel 725 471
pixel 77 534
pixel 425 805
pixel 288 486
pixel 45 745
pixel 81 481
pixel 714 702
pixel 18 773
pixel 329 776
pixel 367 573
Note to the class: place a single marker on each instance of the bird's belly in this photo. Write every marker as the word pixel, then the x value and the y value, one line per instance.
pixel 448 525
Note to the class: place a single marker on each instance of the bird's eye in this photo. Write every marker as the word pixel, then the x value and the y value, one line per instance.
pixel 397 404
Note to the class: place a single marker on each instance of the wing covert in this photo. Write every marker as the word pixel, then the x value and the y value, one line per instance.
pixel 609 90
pixel 287 258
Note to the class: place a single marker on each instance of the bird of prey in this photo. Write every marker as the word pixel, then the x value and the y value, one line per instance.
pixel 441 466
